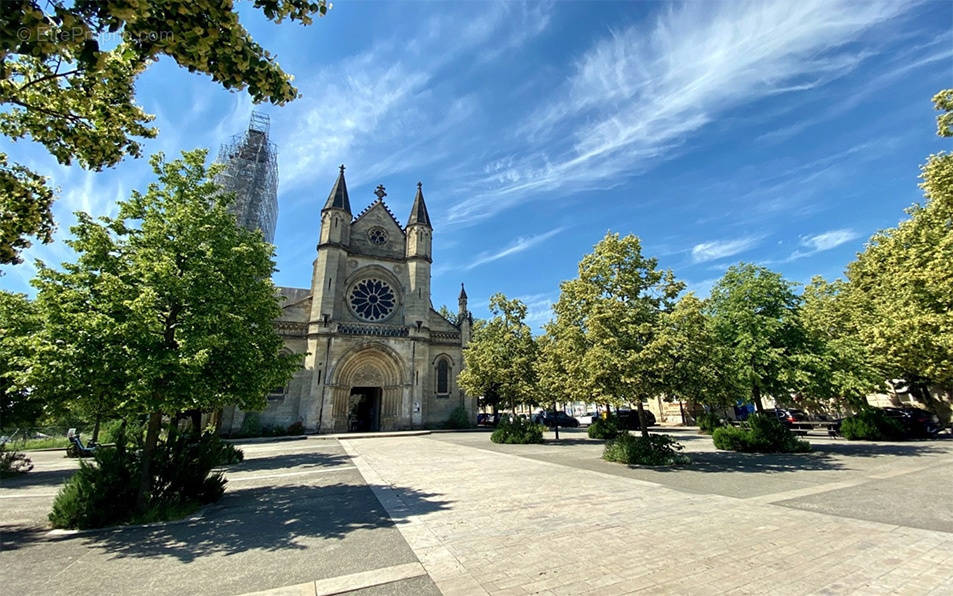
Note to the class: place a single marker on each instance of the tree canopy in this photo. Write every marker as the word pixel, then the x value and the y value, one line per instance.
pixel 501 355
pixel 19 323
pixel 686 358
pixel 754 314
pixel 903 280
pixel 170 301
pixel 67 77
pixel 605 318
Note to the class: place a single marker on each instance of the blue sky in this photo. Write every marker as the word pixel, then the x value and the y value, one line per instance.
pixel 782 133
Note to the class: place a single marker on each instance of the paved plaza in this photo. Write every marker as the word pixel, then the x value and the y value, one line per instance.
pixel 454 513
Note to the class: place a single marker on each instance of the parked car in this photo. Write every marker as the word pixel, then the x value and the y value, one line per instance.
pixel 917 422
pixel 629 419
pixel 558 419
pixel 491 419
pixel 588 418
pixel 789 417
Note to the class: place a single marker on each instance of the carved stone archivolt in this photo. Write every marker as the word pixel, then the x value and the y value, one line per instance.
pixel 372 366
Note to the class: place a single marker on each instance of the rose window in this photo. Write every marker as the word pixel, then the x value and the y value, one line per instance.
pixel 372 299
pixel 377 236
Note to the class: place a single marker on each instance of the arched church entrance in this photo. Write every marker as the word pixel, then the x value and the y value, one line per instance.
pixel 367 391
pixel 364 409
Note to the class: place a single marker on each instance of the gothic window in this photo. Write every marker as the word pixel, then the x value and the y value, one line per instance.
pixel 377 235
pixel 443 377
pixel 372 300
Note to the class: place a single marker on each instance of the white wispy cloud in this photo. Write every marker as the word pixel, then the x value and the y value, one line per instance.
pixel 823 242
pixel 638 95
pixel 517 246
pixel 719 249
pixel 379 111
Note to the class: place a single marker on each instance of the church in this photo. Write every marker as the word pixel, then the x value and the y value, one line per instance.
pixel 378 356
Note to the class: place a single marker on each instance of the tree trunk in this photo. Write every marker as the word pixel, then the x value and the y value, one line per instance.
pixel 756 398
pixel 642 425
pixel 95 436
pixel 196 422
pixel 148 451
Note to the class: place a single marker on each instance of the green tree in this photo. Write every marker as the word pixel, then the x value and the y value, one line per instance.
pixel 500 357
pixel 19 323
pixel 80 351
pixel 448 314
pixel 902 282
pixel 754 314
pixel 606 317
pixel 840 365
pixel 68 72
pixel 187 294
pixel 687 359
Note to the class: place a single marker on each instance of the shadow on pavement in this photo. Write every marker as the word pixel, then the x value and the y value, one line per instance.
pixel 36 478
pixel 757 463
pixel 310 459
pixel 822 458
pixel 267 518
pixel 270 518
pixel 875 449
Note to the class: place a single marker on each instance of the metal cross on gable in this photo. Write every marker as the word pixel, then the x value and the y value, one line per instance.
pixel 380 192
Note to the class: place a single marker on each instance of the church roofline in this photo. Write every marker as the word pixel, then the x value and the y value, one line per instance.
pixel 437 312
pixel 381 202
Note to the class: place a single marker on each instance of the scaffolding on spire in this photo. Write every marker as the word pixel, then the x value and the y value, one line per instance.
pixel 251 172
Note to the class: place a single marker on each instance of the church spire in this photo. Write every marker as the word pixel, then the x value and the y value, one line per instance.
pixel 418 213
pixel 462 302
pixel 338 197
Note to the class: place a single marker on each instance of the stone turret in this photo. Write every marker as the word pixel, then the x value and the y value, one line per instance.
pixel 332 251
pixel 419 233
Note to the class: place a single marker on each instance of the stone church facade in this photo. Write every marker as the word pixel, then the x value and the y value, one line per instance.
pixel 378 356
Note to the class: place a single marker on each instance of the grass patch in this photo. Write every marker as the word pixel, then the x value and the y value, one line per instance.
pixel 43 443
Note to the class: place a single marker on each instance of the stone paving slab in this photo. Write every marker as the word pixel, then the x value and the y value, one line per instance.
pixel 518 525
pixel 292 513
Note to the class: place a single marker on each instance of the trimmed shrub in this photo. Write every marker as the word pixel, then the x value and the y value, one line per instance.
pixel 13 463
pixel 517 431
pixel 103 493
pixel 708 422
pixel 730 438
pixel 763 434
pixel 458 418
pixel 604 428
pixel 653 450
pixel 871 424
